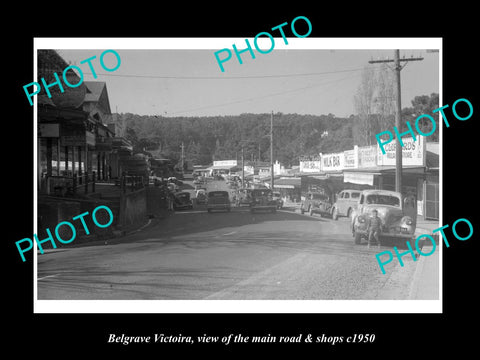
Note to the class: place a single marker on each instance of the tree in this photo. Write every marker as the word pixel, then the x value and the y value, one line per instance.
pixel 424 104
pixel 374 104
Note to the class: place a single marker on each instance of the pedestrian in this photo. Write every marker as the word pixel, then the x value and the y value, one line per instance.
pixel 374 228
pixel 171 199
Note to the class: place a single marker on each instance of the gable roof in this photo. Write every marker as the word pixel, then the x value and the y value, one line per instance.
pixel 94 90
pixel 97 92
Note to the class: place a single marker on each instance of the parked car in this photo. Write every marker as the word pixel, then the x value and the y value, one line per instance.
pixel 278 198
pixel 201 196
pixel 262 199
pixel 174 180
pixel 172 187
pixel 218 200
pixel 182 201
pixel 317 203
pixel 398 218
pixel 345 203
pixel 244 197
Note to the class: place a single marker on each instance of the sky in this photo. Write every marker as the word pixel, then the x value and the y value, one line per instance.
pixel 307 76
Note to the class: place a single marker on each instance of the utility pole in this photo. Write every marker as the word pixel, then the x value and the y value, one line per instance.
pixel 398 114
pixel 243 170
pixel 182 156
pixel 271 151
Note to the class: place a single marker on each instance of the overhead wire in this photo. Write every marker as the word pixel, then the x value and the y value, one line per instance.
pixel 224 77
pixel 258 97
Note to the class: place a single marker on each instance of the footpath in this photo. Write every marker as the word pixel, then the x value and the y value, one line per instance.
pixel 426 279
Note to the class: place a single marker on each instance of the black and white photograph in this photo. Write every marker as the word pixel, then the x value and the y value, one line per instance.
pixel 217 179
pixel 258 182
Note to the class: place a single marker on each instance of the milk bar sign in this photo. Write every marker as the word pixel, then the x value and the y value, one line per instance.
pixel 332 162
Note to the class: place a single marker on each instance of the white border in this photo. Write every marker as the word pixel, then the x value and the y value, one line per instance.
pixel 236 306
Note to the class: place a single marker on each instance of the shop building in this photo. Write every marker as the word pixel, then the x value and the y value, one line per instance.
pixel 76 140
pixel 367 168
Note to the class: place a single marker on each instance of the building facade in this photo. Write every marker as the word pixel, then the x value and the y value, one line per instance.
pixel 367 167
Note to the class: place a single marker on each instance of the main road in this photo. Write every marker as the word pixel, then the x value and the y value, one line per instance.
pixel 225 255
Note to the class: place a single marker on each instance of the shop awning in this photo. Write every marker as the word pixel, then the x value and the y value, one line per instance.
pixel 223 167
pixel 358 178
pixel 287 183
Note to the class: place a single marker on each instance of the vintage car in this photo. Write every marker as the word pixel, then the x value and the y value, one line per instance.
pixel 201 196
pixel 182 201
pixel 243 197
pixel 278 198
pixel 397 214
pixel 317 203
pixel 345 204
pixel 262 199
pixel 198 180
pixel 218 200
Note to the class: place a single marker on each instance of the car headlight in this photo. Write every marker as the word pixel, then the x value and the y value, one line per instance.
pixel 361 219
pixel 407 220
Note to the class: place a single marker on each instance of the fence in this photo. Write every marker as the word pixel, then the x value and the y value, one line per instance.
pixel 71 185
pixel 132 182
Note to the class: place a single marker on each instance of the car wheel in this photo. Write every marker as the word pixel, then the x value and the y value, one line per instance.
pixel 358 238
pixel 335 214
pixel 349 212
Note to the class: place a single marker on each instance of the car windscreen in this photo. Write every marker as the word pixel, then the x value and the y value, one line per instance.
pixel 218 194
pixel 355 195
pixel 261 192
pixel 381 199
pixel 319 196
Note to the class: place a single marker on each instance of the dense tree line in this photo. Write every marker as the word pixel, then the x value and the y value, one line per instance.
pixel 222 137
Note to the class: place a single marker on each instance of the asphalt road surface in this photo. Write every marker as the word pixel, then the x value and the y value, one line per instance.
pixel 233 255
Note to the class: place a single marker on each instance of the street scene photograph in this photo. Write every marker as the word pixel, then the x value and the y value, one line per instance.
pixel 162 177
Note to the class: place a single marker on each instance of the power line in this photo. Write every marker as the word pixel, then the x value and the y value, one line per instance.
pixel 225 77
pixel 258 97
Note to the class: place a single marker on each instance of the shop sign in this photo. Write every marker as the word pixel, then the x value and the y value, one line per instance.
pixel 350 159
pixel 413 153
pixel 333 162
pixel 310 164
pixel 367 156
pixel 225 163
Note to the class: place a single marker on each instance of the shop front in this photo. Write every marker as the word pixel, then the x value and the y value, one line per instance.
pixel 289 188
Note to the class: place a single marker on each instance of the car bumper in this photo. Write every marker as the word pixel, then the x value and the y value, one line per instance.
pixel 322 211
pixel 183 206
pixel 387 234
pixel 218 206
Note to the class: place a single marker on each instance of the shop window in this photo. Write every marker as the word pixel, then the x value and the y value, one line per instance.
pixel 55 159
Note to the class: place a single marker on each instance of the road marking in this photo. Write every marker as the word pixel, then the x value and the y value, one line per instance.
pixel 230 233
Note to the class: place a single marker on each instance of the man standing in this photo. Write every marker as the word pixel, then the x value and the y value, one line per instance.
pixel 374 228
